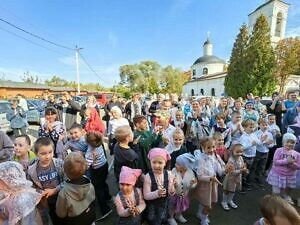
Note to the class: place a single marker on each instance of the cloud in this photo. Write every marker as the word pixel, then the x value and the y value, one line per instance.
pixel 293 32
pixel 179 6
pixel 113 39
pixel 68 60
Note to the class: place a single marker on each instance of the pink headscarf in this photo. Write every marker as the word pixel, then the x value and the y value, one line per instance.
pixel 159 152
pixel 128 175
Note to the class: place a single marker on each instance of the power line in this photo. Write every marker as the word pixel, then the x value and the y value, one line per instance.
pixel 32 42
pixel 88 65
pixel 37 36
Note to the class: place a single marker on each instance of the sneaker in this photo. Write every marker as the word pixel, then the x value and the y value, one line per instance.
pixel 105 215
pixel 172 221
pixel 289 199
pixel 180 218
pixel 225 206
pixel 232 204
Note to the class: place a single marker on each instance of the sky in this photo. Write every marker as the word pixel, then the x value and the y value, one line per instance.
pixel 117 32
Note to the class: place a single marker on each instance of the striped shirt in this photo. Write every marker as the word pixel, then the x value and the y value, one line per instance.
pixel 95 157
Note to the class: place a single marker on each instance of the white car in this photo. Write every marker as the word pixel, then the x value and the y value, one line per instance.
pixel 4 123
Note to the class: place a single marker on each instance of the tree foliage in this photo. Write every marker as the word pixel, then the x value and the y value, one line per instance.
pixel 56 81
pixel 236 69
pixel 252 62
pixel 260 60
pixel 287 55
pixel 151 77
pixel 29 78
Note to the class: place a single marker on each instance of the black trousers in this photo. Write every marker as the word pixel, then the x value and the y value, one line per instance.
pixel 98 178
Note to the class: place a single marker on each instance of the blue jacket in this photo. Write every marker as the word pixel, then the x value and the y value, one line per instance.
pixel 289 118
pixel 17 120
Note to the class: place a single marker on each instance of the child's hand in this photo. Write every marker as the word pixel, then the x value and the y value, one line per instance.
pixel 194 181
pixel 165 140
pixel 245 170
pixel 135 141
pixel 269 142
pixel 61 137
pixel 229 168
pixel 264 137
pixel 162 192
pixel 49 192
pixel 215 179
pixel 253 143
pixel 290 160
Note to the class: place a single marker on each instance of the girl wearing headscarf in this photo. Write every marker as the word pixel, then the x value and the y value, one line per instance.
pixel 158 186
pixel 129 201
pixel 18 199
pixel 185 180
pixel 93 121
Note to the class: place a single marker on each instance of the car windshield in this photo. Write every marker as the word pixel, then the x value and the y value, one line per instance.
pixel 4 107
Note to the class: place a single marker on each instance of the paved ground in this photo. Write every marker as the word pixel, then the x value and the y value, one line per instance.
pixel 246 214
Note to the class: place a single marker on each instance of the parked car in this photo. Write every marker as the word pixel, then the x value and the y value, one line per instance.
pixel 4 123
pixel 80 99
pixel 33 115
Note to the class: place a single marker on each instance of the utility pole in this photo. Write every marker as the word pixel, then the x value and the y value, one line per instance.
pixel 77 68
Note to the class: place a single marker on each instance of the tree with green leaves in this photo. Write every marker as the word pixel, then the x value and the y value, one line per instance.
pixel 287 53
pixel 236 73
pixel 260 60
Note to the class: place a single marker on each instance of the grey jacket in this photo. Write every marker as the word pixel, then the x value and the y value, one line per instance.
pixel 71 113
pixel 74 199
pixel 6 148
pixel 32 174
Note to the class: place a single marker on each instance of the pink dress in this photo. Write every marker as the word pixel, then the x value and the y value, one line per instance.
pixel 180 202
pixel 232 180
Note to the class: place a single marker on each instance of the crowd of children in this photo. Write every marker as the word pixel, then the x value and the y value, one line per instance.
pixel 159 167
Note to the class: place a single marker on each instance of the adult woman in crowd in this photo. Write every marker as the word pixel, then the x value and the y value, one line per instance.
pixel 223 107
pixel 197 126
pixel 17 118
pixel 91 102
pixel 250 112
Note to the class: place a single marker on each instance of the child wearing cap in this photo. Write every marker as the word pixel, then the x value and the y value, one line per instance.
pixel 286 161
pixel 129 201
pixel 158 186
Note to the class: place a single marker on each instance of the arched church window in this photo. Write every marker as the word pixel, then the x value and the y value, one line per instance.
pixel 194 72
pixel 278 26
pixel 193 92
pixel 205 71
pixel 202 91
pixel 213 92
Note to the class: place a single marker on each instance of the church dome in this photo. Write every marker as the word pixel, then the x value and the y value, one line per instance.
pixel 209 59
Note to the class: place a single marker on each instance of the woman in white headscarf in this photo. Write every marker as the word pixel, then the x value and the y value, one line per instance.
pixel 18 199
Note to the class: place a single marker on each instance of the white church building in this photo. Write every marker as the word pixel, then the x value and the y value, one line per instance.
pixel 208 71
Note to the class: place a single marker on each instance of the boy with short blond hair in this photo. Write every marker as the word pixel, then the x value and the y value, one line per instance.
pixel 124 154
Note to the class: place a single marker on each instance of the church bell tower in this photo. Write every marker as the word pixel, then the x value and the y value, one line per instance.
pixel 276 12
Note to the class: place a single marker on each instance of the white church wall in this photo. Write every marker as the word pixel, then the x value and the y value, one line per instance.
pixel 212 68
pixel 206 85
